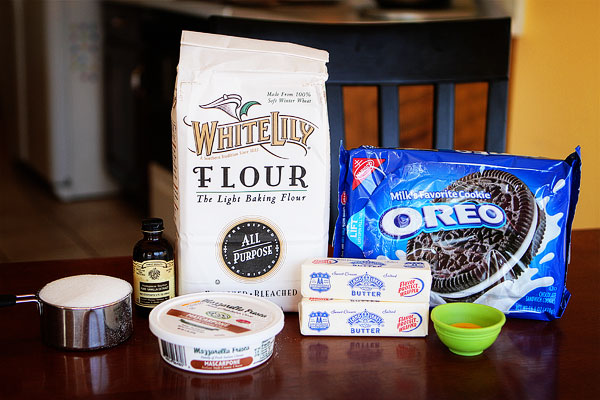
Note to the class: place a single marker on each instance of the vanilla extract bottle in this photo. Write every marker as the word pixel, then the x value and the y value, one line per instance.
pixel 153 268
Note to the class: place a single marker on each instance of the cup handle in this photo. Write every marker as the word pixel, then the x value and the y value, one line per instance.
pixel 7 300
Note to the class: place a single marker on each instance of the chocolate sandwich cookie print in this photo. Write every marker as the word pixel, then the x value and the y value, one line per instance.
pixel 467 261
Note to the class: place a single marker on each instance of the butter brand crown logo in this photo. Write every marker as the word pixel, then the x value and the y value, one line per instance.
pixel 365 319
pixel 275 129
pixel 366 282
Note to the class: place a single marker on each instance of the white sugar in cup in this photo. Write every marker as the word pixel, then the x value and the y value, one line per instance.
pixel 85 291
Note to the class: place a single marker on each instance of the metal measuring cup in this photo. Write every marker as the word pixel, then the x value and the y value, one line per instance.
pixel 80 328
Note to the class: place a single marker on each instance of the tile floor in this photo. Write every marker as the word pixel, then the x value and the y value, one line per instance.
pixel 35 225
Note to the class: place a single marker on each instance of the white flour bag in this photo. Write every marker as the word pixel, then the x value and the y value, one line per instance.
pixel 250 165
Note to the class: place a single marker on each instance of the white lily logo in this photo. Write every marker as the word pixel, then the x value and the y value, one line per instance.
pixel 232 105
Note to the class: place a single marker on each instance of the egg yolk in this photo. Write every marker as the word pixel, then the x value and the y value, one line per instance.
pixel 467 325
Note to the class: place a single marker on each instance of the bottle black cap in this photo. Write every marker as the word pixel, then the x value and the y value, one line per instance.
pixel 152 225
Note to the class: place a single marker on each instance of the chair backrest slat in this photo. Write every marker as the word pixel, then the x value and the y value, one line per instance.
pixel 495 128
pixel 389 122
pixel 443 120
pixel 335 111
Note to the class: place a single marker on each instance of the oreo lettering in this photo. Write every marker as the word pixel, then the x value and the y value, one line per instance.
pixel 407 222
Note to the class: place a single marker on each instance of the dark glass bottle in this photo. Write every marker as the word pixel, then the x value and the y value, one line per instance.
pixel 153 268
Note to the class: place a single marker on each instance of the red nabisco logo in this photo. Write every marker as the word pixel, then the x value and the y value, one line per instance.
pixel 344 198
pixel 409 322
pixel 363 168
pixel 411 287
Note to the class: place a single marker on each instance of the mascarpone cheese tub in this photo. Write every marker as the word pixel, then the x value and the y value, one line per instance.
pixel 216 332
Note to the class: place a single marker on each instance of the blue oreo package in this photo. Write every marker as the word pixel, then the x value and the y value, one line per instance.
pixel 495 228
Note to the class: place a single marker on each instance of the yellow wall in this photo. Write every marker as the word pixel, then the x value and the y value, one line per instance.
pixel 555 91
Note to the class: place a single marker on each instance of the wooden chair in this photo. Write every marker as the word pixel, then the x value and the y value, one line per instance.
pixel 386 55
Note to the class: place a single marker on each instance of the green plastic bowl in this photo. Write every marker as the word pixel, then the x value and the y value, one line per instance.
pixel 467 341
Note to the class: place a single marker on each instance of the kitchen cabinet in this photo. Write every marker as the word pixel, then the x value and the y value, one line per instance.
pixel 141 50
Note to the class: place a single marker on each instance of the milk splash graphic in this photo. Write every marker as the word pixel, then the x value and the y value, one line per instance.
pixel 504 295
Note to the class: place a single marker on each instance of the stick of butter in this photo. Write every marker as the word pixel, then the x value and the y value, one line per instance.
pixel 381 280
pixel 327 317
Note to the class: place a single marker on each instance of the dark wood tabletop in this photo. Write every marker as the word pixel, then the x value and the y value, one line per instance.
pixel 530 360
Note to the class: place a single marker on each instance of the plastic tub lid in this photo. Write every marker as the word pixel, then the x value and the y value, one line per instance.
pixel 215 317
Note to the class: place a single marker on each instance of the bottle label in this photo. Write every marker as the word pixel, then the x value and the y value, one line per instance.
pixel 153 282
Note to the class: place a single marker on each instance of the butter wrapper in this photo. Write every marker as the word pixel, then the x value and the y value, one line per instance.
pixel 360 279
pixel 327 317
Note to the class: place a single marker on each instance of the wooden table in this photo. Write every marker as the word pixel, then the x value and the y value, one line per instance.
pixel 530 359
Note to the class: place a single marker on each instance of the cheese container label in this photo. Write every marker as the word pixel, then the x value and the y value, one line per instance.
pixel 362 279
pixel 327 317
pixel 250 165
